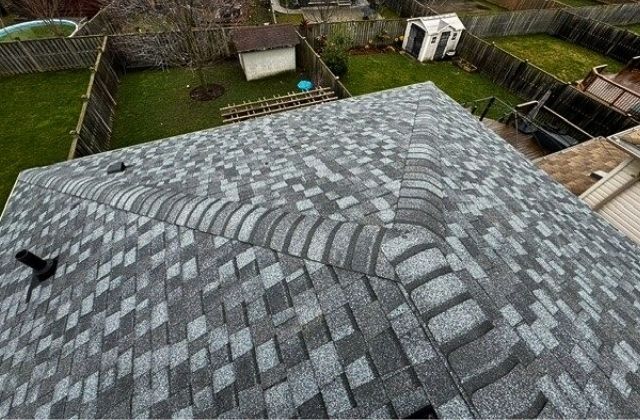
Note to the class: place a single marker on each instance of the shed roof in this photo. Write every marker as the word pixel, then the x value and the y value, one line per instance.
pixel 436 24
pixel 268 37
pixel 366 257
pixel 573 167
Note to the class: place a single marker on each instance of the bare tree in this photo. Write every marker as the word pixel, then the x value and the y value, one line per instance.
pixel 322 10
pixel 46 10
pixel 192 35
pixel 3 12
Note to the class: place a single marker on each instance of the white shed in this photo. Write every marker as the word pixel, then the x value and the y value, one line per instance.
pixel 432 37
pixel 266 50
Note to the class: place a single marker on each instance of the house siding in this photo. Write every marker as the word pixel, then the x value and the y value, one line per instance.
pixel 623 210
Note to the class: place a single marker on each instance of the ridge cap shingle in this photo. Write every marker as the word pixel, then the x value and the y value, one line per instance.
pixel 347 245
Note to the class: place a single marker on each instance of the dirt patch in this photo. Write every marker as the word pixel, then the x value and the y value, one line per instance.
pixel 207 93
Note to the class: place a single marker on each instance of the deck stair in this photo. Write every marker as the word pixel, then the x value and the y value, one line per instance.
pixel 265 106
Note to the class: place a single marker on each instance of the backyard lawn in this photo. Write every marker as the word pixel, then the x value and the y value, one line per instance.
pixel 567 61
pixel 38 111
pixel 154 104
pixel 374 72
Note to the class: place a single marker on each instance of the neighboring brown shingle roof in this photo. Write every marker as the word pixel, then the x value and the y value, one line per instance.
pixel 573 167
pixel 261 38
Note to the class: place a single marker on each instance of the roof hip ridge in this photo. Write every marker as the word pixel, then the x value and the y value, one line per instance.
pixel 348 245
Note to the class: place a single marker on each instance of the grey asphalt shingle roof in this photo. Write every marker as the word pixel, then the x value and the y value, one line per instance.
pixel 364 258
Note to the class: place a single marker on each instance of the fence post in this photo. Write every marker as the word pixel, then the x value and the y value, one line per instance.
pixel 486 109
pixel 27 53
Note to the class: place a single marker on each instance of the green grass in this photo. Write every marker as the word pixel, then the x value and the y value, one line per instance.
pixel 569 62
pixel 38 111
pixel 294 19
pixel 480 8
pixel 580 3
pixel 388 13
pixel 633 28
pixel 155 104
pixel 259 13
pixel 37 32
pixel 374 72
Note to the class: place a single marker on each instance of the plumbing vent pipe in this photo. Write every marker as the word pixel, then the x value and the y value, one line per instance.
pixel 42 269
pixel 115 168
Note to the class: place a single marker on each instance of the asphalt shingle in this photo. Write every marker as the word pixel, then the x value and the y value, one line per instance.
pixel 368 257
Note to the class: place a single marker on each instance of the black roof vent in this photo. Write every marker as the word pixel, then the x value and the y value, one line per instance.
pixel 426 412
pixel 114 168
pixel 42 269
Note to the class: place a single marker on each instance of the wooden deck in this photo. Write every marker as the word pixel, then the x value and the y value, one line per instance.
pixel 523 143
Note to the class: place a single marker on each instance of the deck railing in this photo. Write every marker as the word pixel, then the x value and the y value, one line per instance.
pixel 605 89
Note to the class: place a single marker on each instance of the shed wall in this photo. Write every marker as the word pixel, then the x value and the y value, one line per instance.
pixel 260 64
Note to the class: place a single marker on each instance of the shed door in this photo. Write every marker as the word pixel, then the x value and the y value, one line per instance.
pixel 416 37
pixel 442 46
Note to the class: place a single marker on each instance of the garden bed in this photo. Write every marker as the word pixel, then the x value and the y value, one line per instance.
pixel 375 72
pixel 38 113
pixel 568 62
pixel 154 104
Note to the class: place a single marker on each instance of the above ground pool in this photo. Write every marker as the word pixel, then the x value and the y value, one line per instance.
pixel 38 29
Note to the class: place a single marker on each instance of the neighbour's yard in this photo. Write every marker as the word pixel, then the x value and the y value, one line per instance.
pixel 259 13
pixel 482 7
pixel 294 18
pixel 388 13
pixel 633 28
pixel 154 104
pixel 38 111
pixel 374 72
pixel 581 3
pixel 38 32
pixel 567 61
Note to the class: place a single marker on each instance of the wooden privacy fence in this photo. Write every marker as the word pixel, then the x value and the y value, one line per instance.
pixel 50 54
pixel 531 83
pixel 607 90
pixel 602 37
pixel 521 22
pixel 93 131
pixel 361 32
pixel 505 69
pixel 528 4
pixel 616 14
pixel 318 70
pixel 166 49
pixel 100 24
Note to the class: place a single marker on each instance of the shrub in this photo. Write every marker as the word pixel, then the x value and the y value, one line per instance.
pixel 336 54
